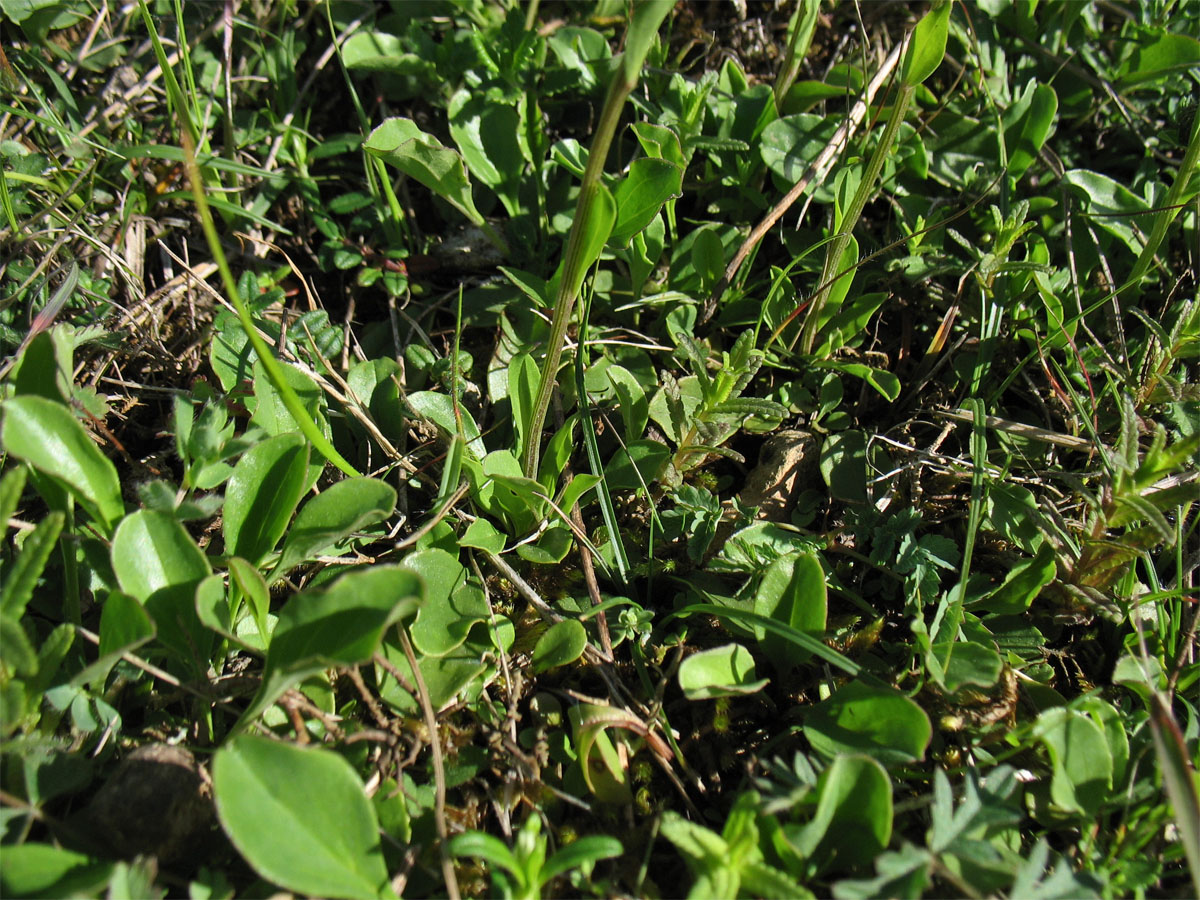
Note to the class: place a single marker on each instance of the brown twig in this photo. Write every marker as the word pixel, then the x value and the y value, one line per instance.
pixel 439 769
pixel 818 169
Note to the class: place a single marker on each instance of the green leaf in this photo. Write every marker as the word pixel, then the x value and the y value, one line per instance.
pixel 551 547
pixel 1027 139
pixel 1113 206
pixel 1080 757
pixel 159 563
pixel 602 215
pixel 124 625
pixel 878 721
pixel 271 413
pixel 333 515
pixel 1156 57
pixel 584 851
pixel 22 575
pixel 15 647
pixel 320 840
pixel 708 256
pixel 659 142
pixel 486 847
pixel 849 322
pixel 792 591
pixel 439 409
pixel 482 535
pixel 376 51
pixel 1022 584
pixel 338 625
pixel 47 436
pixel 254 588
pixel 970 663
pixel 44 368
pixel 799 638
pixel 446 676
pixel 790 144
pixel 720 672
pixel 262 494
pixel 844 465
pixel 401 143
pixel 561 644
pixel 634 408
pixel 213 610
pixel 522 393
pixel 882 380
pixel 636 465
pixel 928 45
pixel 486 131
pixel 374 383
pixel 1013 512
pixel 151 551
pixel 40 870
pixel 12 485
pixel 606 774
pixel 853 820
pixel 452 604
pixel 641 194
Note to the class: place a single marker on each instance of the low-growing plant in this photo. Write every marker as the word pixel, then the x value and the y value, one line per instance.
pixel 528 508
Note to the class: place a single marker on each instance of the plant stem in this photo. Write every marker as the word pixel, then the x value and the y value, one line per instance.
pixel 274 372
pixel 646 19
pixel 866 188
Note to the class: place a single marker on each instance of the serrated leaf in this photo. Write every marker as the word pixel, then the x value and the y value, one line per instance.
pixel 22 575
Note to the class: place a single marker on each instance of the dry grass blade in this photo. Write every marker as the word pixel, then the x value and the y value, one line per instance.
pixel 816 171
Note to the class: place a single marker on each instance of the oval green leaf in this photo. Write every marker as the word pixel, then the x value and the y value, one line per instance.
pixel 853 821
pixel 641 194
pixel 1030 134
pixel 339 625
pixel 792 592
pixel 46 435
pixel 263 491
pixel 401 143
pixel 151 551
pixel 300 818
pixel 334 515
pixel 720 672
pixel 562 644
pixel 928 45
pixel 878 721
pixel 439 409
pixel 1081 759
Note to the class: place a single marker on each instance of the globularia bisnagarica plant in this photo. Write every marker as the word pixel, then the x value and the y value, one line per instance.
pixel 620 448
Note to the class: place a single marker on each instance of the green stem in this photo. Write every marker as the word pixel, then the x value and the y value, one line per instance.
pixel 866 189
pixel 274 371
pixel 1169 210
pixel 646 19
pixel 594 461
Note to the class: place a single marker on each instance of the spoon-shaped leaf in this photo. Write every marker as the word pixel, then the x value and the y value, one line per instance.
pixel 300 818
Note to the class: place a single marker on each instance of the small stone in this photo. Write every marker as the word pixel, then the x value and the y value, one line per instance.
pixel 787 463
pixel 158 802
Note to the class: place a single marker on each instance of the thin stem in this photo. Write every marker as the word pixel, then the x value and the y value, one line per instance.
pixel 866 188
pixel 644 25
pixel 274 371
